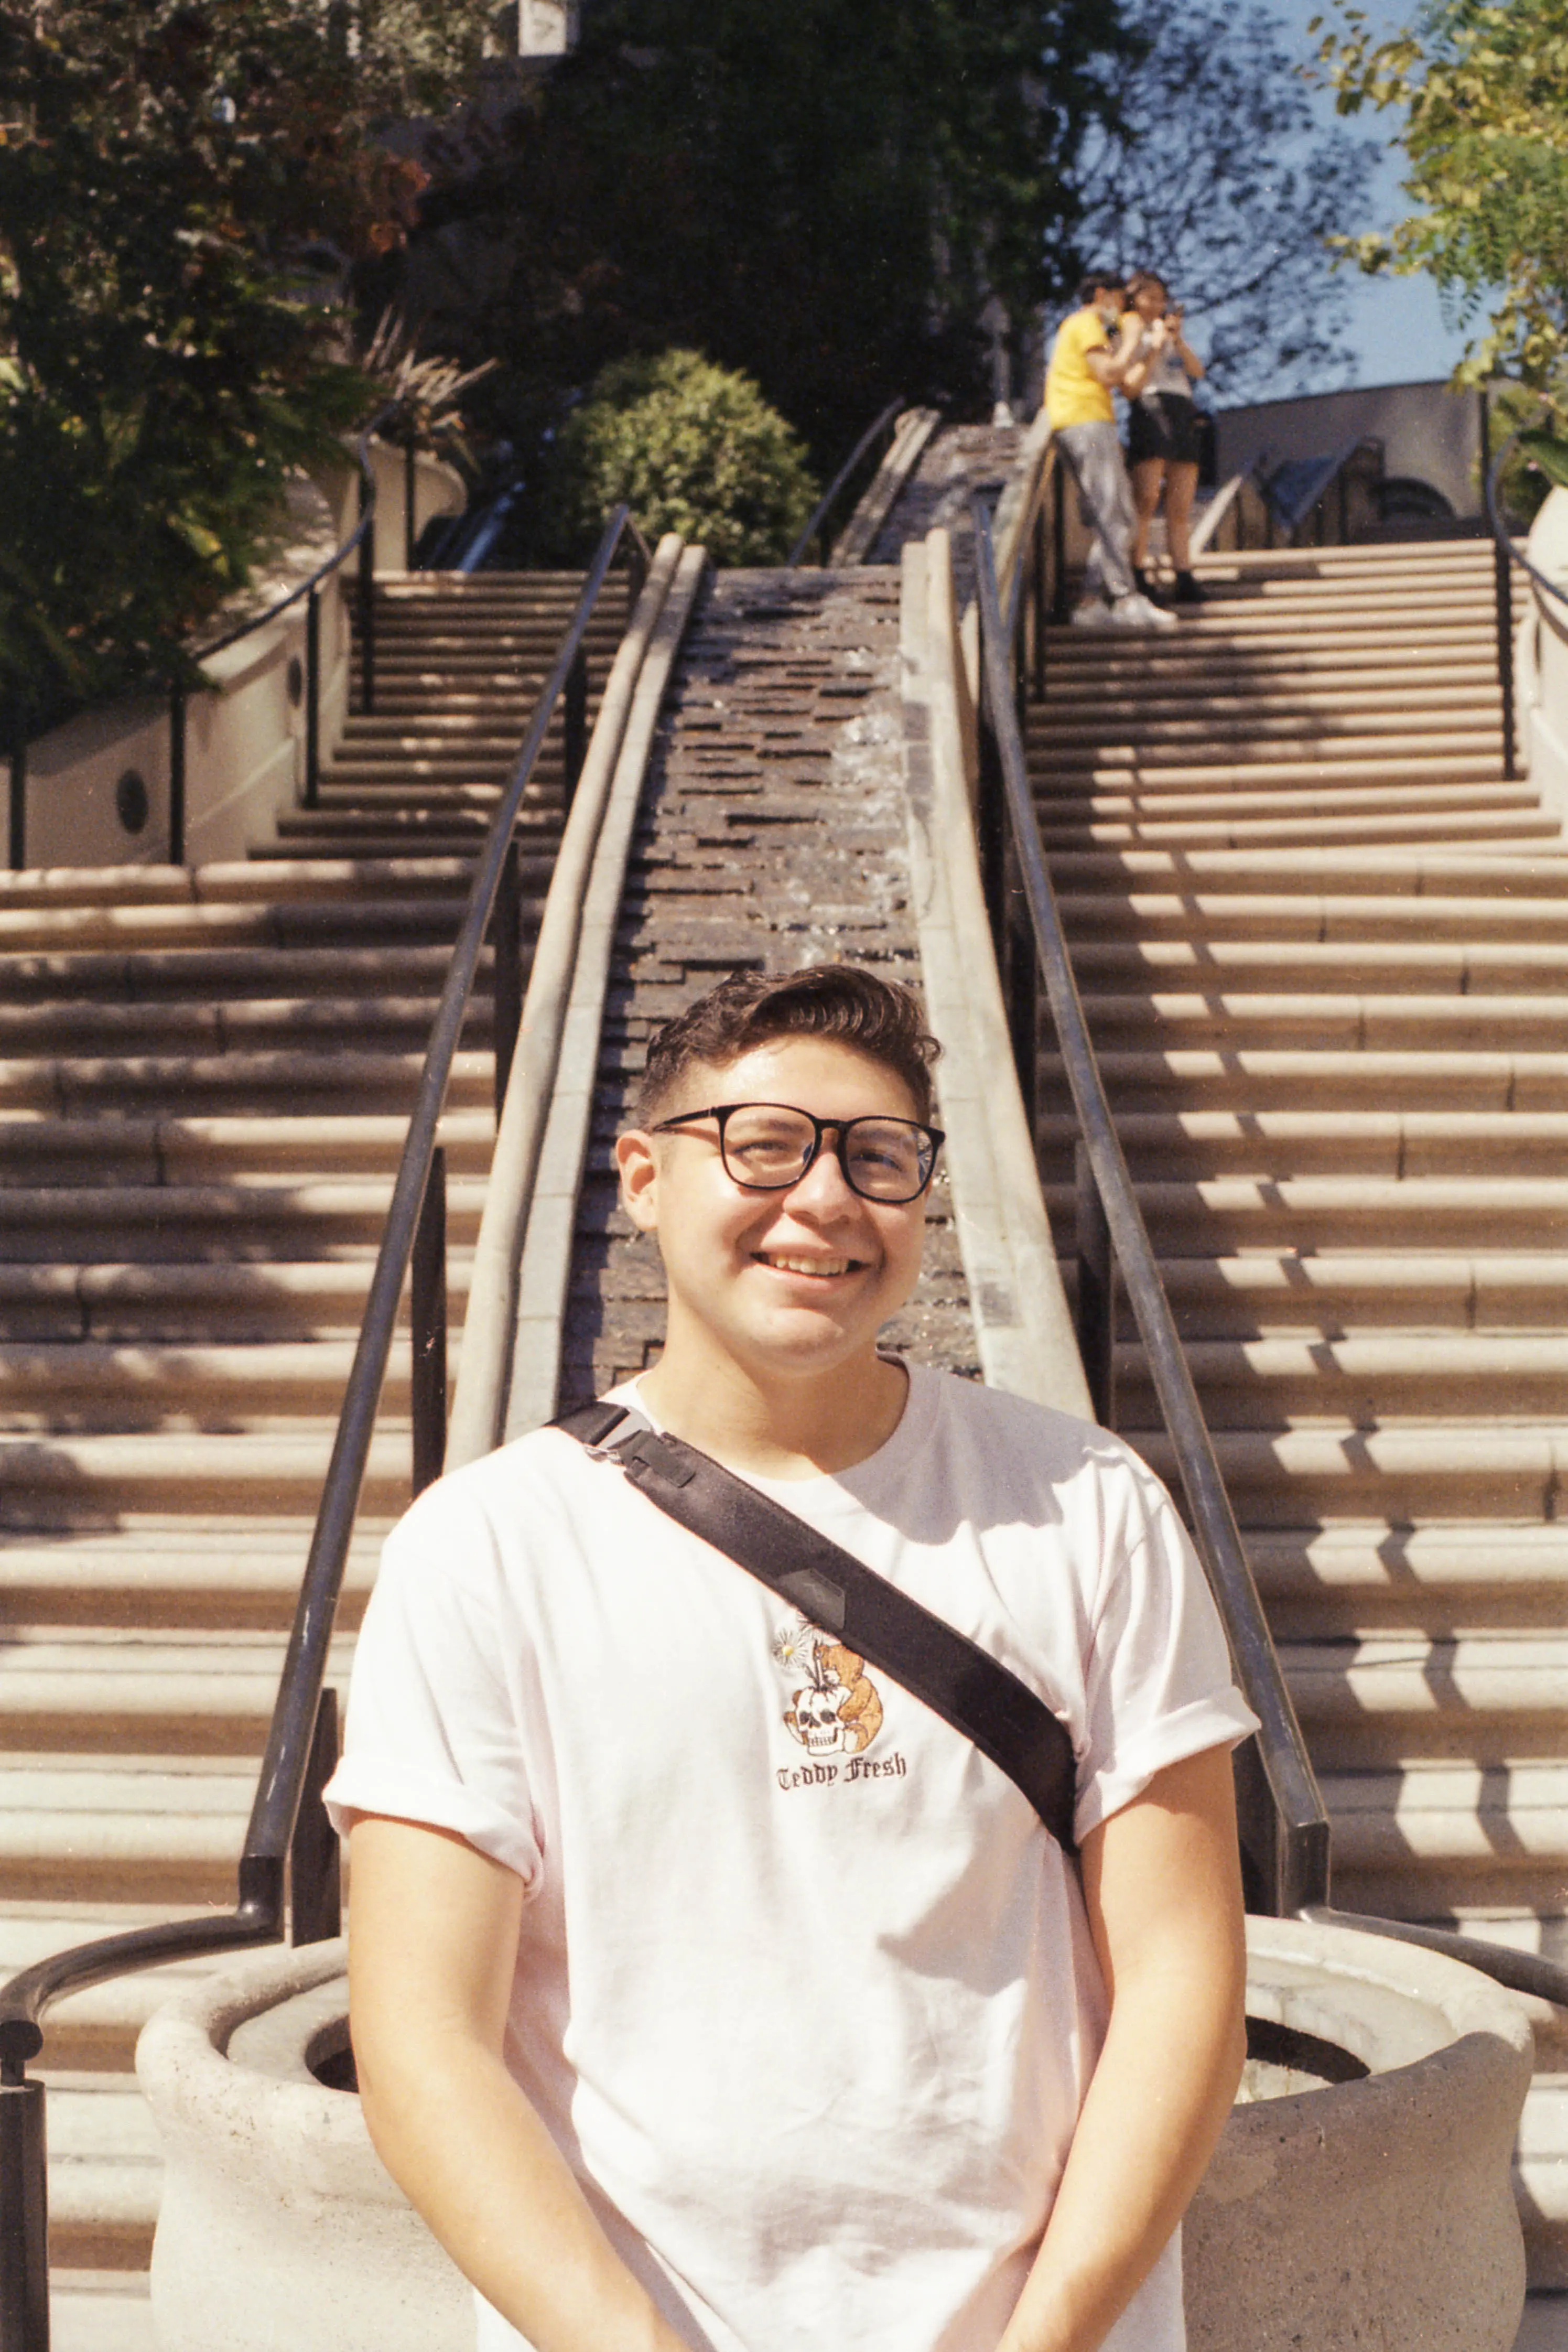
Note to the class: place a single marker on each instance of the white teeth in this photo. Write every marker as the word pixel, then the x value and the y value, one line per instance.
pixel 809 1265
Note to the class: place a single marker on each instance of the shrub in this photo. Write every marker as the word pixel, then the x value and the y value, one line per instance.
pixel 690 448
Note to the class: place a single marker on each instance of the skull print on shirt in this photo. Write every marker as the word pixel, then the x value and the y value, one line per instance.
pixel 835 1710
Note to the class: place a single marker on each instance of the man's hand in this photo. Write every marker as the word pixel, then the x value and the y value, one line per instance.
pixel 1163 1889
pixel 432 1945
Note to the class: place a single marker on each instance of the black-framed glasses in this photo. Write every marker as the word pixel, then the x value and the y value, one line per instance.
pixel 768 1147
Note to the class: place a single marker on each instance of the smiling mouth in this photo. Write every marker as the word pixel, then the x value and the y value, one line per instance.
pixel 823 1268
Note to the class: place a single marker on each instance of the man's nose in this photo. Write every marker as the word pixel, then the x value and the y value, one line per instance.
pixel 824 1181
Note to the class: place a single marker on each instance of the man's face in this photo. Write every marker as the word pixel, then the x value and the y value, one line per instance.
pixel 1110 301
pixel 785 1284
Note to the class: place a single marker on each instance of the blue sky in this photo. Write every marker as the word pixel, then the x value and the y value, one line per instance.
pixel 1397 334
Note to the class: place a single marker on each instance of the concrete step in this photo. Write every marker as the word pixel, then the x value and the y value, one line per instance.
pixel 1475 925
pixel 83 1385
pixel 37 1148
pixel 177 1570
pixel 1350 1142
pixel 103 2311
pixel 1459 826
pixel 1327 1469
pixel 1228 1076
pixel 1364 1378
pixel 1360 1293
pixel 277 1080
pixel 1441 1576
pixel 255 973
pixel 1437 1837
pixel 193 1692
pixel 106 2172
pixel 1349 1022
pixel 1409 872
pixel 1378 1701
pixel 1222 1214
pixel 267 1464
pixel 80 1828
pixel 287 1219
pixel 215 1301
pixel 1372 966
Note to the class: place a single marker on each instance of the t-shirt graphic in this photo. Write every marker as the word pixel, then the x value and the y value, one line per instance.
pixel 836 1709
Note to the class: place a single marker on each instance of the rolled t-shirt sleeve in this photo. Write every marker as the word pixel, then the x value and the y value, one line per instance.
pixel 1158 1684
pixel 432 1734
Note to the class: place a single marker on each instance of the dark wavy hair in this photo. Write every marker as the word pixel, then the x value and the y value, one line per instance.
pixel 880 1018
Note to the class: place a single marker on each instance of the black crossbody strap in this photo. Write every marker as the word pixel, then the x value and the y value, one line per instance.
pixel 951 1674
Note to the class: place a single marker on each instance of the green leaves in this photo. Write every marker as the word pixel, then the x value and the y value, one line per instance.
pixel 1484 91
pixel 690 448
pixel 171 174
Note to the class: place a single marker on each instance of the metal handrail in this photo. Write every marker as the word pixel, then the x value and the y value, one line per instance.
pixel 339 554
pixel 879 424
pixel 363 537
pixel 1506 553
pixel 1500 529
pixel 1291 1857
pixel 301 1741
pixel 1297 1873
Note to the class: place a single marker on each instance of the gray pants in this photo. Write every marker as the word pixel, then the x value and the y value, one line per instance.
pixel 1095 455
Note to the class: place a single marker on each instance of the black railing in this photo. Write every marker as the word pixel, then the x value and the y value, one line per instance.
pixel 362 538
pixel 1284 1828
pixel 1505 555
pixel 817 528
pixel 288 1865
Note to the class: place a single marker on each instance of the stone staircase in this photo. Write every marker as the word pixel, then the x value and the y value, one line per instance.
pixel 205 1079
pixel 1323 948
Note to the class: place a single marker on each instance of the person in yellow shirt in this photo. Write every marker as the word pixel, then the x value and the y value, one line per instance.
pixel 1085 366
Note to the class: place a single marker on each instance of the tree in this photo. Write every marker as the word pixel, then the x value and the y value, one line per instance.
pixel 1218 176
pixel 182 183
pixel 1484 91
pixel 690 448
pixel 819 195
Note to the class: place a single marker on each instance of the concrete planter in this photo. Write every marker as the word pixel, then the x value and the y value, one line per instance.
pixel 279 2225
pixel 1375 2212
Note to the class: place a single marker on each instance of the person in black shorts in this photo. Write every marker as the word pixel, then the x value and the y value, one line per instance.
pixel 1162 436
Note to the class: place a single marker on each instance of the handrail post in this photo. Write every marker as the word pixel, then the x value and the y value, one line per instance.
pixel 427 1335
pixel 410 488
pixel 1039 600
pixel 1059 598
pixel 637 574
pixel 507 972
pixel 315 1872
pixel 177 775
pixel 990 826
pixel 1504 571
pixel 17 829
pixel 573 728
pixel 24 2216
pixel 312 700
pixel 367 607
pixel 1503 583
pixel 1094 1317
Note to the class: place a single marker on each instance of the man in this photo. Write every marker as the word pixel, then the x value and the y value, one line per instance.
pixel 709 1993
pixel 1084 367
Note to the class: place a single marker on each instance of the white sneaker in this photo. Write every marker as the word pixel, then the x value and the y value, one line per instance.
pixel 1092 614
pixel 1135 612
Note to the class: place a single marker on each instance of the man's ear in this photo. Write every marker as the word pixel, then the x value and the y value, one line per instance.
pixel 639 1178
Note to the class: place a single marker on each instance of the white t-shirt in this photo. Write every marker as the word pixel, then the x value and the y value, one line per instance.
pixel 805 1993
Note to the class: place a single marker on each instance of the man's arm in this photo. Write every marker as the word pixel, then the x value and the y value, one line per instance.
pixel 1162 1883
pixel 432 1940
pixel 1126 367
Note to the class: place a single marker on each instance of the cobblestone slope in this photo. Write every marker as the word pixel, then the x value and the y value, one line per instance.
pixel 771 833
